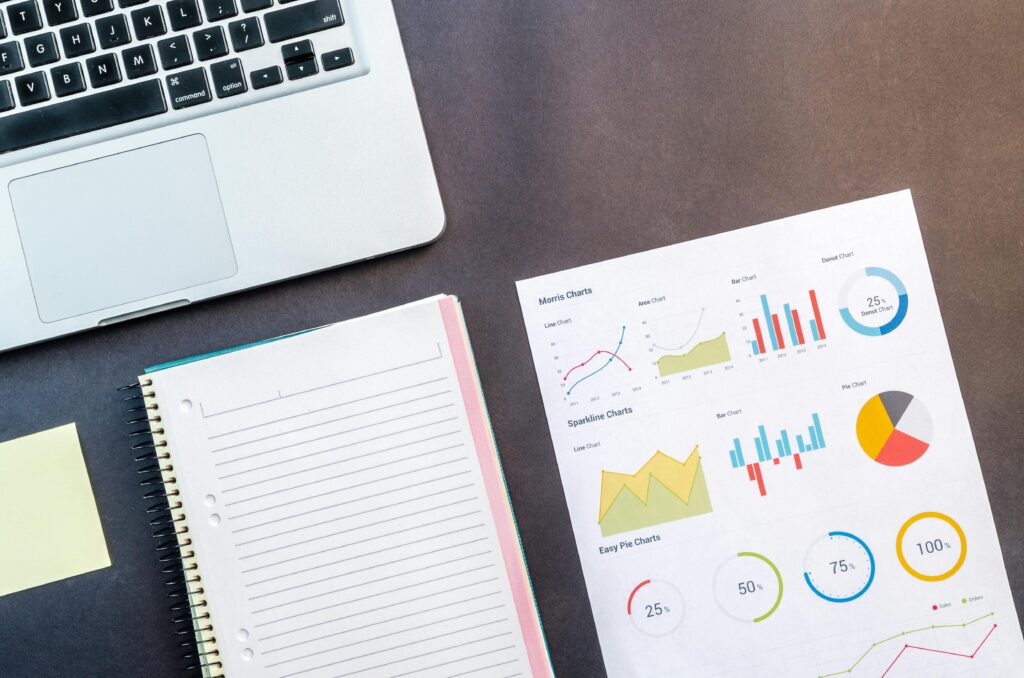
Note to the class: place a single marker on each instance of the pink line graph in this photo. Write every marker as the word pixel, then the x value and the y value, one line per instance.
pixel 946 652
pixel 597 353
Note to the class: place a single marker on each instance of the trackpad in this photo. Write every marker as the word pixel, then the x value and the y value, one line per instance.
pixel 123 228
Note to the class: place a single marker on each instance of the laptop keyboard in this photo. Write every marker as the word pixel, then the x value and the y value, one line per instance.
pixel 70 67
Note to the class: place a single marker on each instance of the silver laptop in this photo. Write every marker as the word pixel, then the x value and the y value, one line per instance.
pixel 157 153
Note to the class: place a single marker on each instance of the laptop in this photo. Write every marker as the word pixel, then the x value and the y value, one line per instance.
pixel 157 153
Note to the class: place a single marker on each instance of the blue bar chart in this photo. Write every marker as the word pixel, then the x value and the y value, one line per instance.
pixel 810 440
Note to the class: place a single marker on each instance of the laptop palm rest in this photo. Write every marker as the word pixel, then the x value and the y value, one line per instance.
pixel 86 228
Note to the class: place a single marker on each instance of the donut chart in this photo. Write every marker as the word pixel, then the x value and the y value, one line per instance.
pixel 881 308
pixel 839 567
pixel 894 428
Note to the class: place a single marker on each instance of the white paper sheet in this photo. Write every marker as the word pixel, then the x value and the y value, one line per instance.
pixel 872 552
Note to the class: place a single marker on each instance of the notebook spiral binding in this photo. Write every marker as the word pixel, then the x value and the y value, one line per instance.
pixel 190 614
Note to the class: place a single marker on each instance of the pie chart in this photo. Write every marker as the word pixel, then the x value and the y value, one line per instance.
pixel 894 428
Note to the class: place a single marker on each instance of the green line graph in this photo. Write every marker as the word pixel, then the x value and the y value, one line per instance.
pixel 903 634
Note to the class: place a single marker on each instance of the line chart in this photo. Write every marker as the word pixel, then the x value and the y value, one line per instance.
pixel 946 652
pixel 906 647
pixel 683 345
pixel 612 357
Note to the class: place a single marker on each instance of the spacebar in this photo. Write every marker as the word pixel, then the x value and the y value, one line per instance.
pixel 85 114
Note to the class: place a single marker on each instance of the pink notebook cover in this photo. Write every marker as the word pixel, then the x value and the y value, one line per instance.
pixel 497 494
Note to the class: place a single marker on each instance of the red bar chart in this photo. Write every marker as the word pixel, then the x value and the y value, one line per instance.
pixel 773 330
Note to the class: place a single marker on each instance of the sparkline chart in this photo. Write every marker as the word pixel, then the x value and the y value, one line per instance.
pixel 811 440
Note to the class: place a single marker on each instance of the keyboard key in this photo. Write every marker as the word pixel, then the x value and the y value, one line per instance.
pixel 210 43
pixel 297 51
pixel 265 77
pixel 6 96
pixel 188 88
pixel 183 14
pixel 245 34
pixel 103 70
pixel 24 17
pixel 10 58
pixel 219 9
pixel 174 52
pixel 32 88
pixel 112 31
pixel 82 114
pixel 67 79
pixel 95 7
pixel 3 27
pixel 130 3
pixel 139 61
pixel 301 69
pixel 41 49
pixel 148 22
pixel 59 11
pixel 77 40
pixel 253 5
pixel 228 78
pixel 339 58
pixel 298 20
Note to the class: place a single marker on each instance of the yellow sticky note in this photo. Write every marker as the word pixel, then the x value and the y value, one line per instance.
pixel 49 526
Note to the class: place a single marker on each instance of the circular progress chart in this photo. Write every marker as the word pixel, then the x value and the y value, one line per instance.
pixel 894 428
pixel 874 301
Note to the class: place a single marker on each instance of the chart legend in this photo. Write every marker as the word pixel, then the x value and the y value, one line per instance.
pixel 785 448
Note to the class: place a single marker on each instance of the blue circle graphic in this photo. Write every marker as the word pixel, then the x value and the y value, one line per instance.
pixel 901 308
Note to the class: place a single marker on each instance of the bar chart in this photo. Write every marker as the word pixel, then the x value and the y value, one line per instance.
pixel 811 440
pixel 774 330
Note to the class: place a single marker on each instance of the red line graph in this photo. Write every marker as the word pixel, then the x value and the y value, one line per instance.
pixel 935 651
pixel 597 353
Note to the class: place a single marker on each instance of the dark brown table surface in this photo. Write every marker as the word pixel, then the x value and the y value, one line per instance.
pixel 565 133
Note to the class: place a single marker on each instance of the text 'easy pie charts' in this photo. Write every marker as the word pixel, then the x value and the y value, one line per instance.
pixel 894 428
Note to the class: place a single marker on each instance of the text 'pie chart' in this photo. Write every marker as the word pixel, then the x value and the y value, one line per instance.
pixel 894 428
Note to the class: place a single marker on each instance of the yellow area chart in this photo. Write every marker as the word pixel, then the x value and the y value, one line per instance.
pixel 663 490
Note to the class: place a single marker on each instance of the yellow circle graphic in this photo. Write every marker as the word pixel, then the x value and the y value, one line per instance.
pixel 959 533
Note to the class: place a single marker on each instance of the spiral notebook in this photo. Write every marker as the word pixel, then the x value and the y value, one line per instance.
pixel 330 503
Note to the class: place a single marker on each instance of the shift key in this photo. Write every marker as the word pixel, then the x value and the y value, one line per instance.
pixel 308 17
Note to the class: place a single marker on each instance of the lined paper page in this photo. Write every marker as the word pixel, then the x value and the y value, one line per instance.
pixel 338 508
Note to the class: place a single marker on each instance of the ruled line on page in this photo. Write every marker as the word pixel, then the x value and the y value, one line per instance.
pixel 342 447
pixel 375 595
pixel 365 484
pixel 433 594
pixel 379 536
pixel 362 555
pixel 331 421
pixel 349 473
pixel 386 635
pixel 370 568
pixel 339 433
pixel 350 515
pixel 370 581
pixel 336 383
pixel 384 621
pixel 357 527
pixel 405 659
pixel 329 407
